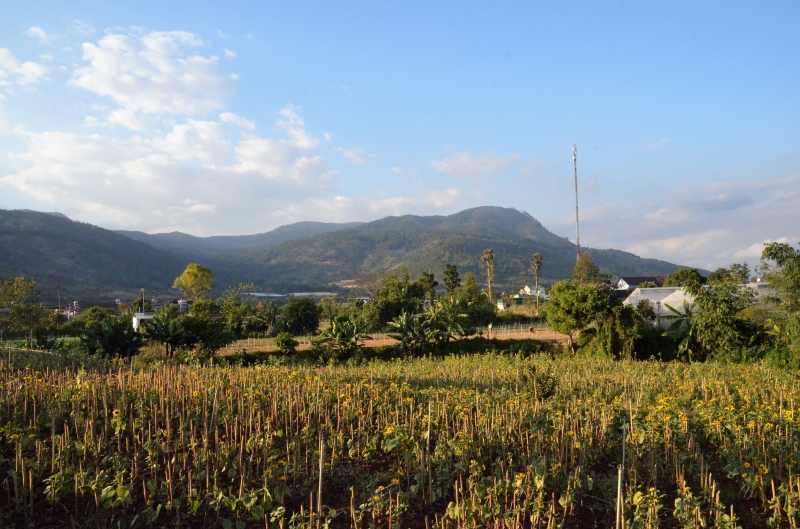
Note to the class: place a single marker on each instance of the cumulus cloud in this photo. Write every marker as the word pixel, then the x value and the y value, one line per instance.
pixel 38 33
pixel 201 176
pixel 153 73
pixel 702 226
pixel 344 209
pixel 465 164
pixel 229 54
pixel 14 72
pixel 356 156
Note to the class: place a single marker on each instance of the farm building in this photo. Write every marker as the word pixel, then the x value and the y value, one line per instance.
pixel 632 282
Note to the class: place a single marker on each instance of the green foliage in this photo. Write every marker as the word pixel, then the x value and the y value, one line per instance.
pixel 573 307
pixel 586 272
pixel 342 340
pixel 204 329
pixel 113 338
pixel 167 329
pixel 451 279
pixel 195 281
pixel 474 302
pixel 90 317
pixel 300 316
pixel 685 277
pixel 717 329
pixel 285 343
pixel 20 315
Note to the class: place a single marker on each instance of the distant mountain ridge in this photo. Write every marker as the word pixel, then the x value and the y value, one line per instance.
pixel 426 243
pixel 177 241
pixel 57 251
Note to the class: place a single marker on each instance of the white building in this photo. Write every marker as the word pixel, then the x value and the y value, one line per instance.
pixel 140 317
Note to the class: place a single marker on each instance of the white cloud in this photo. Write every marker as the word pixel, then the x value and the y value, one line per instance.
pixel 397 170
pixel 13 72
pixel 153 73
pixel 465 164
pixel 38 33
pixel 703 226
pixel 344 209
pixel 229 117
pixel 82 28
pixel 356 156
pixel 174 179
pixel 229 54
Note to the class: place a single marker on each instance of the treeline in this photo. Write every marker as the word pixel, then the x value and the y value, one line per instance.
pixel 723 322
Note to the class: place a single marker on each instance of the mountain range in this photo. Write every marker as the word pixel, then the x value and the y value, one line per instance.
pixel 78 257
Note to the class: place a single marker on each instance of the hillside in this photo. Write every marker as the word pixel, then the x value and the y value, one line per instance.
pixel 60 253
pixel 427 243
pixel 209 246
pixel 77 258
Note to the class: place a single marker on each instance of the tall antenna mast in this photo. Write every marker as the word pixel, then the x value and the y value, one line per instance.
pixel 577 224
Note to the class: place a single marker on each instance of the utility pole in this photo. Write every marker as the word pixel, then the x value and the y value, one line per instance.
pixel 577 224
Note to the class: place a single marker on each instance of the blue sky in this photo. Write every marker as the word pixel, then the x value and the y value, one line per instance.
pixel 237 117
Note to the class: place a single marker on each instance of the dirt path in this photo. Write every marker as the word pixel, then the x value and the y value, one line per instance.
pixel 502 334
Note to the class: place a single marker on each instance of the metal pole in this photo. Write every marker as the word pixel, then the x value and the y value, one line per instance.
pixel 577 224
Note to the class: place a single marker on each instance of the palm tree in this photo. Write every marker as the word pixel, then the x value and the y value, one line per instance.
pixel 488 260
pixel 536 265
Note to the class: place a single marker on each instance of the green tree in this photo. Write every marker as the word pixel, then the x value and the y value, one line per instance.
pixel 195 282
pixel 234 310
pixel 343 338
pixel 720 275
pixel 451 279
pixel 647 284
pixel 536 265
pixel 718 329
pixel 488 262
pixel 285 343
pixel 166 329
pixel 586 272
pixel 441 323
pixel 204 328
pixel 572 308
pixel 409 330
pixel 685 277
pixel 115 337
pixel 781 263
pixel 300 316
pixel 19 313
pixel 740 272
pixel 473 301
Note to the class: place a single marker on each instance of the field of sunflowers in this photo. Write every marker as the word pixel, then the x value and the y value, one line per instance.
pixel 464 441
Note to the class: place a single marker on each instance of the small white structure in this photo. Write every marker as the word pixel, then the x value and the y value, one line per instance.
pixel 140 317
pixel 630 283
pixel 501 304
pixel 528 293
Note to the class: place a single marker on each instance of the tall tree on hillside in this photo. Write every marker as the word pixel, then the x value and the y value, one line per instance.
pixel 536 265
pixel 195 282
pixel 488 261
pixel 451 279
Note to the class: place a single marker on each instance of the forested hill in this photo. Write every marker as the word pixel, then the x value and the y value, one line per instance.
pixel 427 243
pixel 61 253
pixel 209 246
